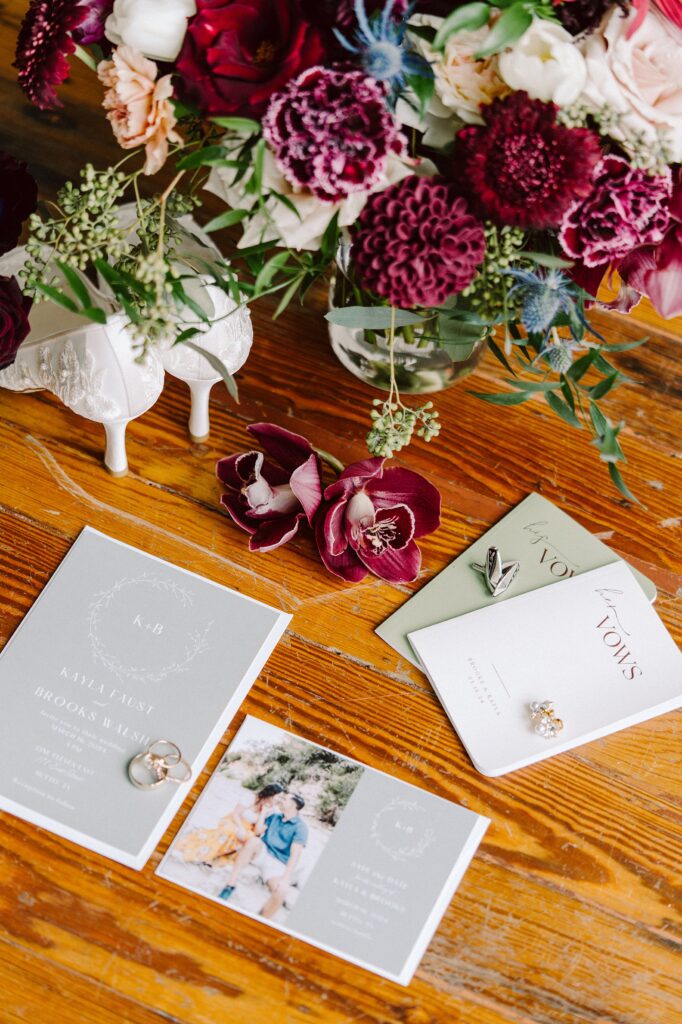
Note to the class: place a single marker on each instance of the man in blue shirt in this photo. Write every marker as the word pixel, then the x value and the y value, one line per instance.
pixel 276 852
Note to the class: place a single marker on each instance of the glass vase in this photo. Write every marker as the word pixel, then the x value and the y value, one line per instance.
pixel 421 364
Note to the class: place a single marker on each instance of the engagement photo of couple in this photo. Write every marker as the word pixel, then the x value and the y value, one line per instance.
pixel 263 822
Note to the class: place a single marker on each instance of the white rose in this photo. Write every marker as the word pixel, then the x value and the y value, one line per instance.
pixel 155 28
pixel 305 230
pixel 639 78
pixel 546 62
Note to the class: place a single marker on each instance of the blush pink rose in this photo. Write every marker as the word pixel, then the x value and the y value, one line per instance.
pixel 139 106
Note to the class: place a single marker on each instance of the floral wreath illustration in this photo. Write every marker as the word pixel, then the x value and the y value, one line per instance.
pixel 413 849
pixel 196 638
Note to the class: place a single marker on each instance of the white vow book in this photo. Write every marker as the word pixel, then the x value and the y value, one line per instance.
pixel 592 644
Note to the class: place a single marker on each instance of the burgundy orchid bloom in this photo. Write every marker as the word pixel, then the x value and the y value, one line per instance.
pixel 370 520
pixel 269 499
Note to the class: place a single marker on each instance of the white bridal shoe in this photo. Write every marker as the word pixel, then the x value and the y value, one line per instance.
pixel 92 368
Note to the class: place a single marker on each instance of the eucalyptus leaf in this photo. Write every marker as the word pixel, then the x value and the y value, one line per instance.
pixel 423 87
pixel 604 386
pixel 209 156
pixel 562 409
pixel 237 124
pixel 535 386
pixel 546 259
pixel 225 220
pixel 218 366
pixel 75 282
pixel 626 346
pixel 372 318
pixel 506 30
pixel 617 478
pixel 508 398
pixel 467 18
pixel 499 355
pixel 57 296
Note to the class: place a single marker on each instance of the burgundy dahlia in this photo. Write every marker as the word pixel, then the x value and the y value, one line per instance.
pixel 270 497
pixel 417 243
pixel 584 15
pixel 237 53
pixel 43 45
pixel 14 325
pixel 370 519
pixel 331 132
pixel 18 198
pixel 521 167
pixel 626 209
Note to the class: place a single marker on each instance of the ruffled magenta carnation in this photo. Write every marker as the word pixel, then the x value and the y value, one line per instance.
pixel 331 131
pixel 417 243
pixel 237 53
pixel 523 168
pixel 43 45
pixel 626 209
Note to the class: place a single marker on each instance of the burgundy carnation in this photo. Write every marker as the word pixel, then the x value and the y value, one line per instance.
pixel 331 132
pixel 522 167
pixel 237 53
pixel 14 325
pixel 18 198
pixel 91 28
pixel 43 44
pixel 626 209
pixel 583 15
pixel 416 243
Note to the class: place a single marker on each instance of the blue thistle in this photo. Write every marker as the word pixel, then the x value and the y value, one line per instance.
pixel 543 297
pixel 382 47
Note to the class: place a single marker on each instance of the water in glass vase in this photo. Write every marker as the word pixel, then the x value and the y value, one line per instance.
pixel 421 362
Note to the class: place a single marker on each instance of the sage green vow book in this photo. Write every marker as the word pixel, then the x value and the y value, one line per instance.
pixel 549 546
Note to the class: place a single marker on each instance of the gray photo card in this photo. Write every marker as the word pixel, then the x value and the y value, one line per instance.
pixel 119 650
pixel 324 848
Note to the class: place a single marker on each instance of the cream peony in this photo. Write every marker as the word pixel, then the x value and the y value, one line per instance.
pixel 546 62
pixel 305 230
pixel 139 107
pixel 640 77
pixel 154 27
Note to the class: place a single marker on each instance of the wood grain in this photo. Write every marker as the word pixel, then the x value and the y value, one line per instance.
pixel 570 912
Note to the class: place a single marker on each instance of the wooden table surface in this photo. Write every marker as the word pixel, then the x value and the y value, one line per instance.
pixel 569 912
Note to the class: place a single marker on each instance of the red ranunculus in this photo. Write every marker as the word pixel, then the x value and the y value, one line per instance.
pixel 237 53
pixel 269 499
pixel 370 520
pixel 14 325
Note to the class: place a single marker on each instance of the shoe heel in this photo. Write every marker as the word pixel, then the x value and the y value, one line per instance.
pixel 115 458
pixel 199 421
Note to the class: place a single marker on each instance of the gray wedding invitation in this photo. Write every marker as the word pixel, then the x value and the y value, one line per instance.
pixel 324 848
pixel 549 545
pixel 119 650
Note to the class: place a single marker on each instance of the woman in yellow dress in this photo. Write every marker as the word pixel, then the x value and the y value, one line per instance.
pixel 214 846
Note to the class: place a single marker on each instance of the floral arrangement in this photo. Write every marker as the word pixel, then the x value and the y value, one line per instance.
pixel 470 172
pixel 366 521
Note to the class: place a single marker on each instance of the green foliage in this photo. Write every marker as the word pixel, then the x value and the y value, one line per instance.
pixel 294 764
